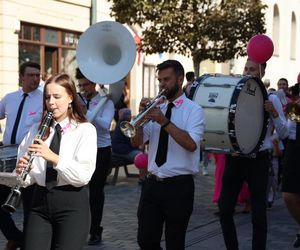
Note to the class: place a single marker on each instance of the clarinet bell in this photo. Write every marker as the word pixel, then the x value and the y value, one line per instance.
pixel 12 201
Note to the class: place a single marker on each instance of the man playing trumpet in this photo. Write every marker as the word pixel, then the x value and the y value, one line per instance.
pixel 174 134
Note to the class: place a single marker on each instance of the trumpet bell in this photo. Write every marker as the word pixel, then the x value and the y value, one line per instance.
pixel 127 129
pixel 106 52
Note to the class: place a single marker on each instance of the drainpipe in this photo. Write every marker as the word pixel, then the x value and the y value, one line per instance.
pixel 93 12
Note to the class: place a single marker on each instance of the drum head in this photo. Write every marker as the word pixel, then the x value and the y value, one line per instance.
pixel 250 116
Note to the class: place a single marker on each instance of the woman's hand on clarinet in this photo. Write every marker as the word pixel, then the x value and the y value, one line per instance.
pixel 22 164
pixel 40 148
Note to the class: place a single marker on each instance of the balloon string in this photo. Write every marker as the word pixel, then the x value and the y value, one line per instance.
pixel 260 75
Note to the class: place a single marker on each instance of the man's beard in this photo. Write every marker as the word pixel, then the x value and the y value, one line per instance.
pixel 172 92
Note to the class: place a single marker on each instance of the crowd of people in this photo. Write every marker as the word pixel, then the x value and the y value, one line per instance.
pixel 63 195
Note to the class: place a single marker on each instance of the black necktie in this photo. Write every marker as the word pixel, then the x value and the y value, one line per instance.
pixel 51 173
pixel 88 104
pixel 162 149
pixel 17 121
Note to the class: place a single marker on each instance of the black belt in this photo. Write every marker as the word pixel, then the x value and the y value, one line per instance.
pixel 169 179
pixel 264 152
pixel 62 188
pixel 254 155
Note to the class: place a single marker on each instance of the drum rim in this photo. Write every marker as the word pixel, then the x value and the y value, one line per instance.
pixel 232 112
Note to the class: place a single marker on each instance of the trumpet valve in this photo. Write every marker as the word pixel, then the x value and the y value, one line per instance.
pixel 127 129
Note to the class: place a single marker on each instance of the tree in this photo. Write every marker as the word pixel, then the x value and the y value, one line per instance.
pixel 203 29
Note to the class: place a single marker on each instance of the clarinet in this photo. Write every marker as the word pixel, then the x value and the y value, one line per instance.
pixel 13 199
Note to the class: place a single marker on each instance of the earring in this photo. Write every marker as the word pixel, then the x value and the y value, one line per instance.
pixel 70 106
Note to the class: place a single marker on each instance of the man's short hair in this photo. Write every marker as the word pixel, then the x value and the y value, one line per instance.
pixel 263 65
pixel 267 83
pixel 284 79
pixel 294 90
pixel 24 65
pixel 174 64
pixel 190 76
pixel 79 74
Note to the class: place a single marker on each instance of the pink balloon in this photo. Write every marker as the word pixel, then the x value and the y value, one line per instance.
pixel 260 48
pixel 298 78
pixel 141 160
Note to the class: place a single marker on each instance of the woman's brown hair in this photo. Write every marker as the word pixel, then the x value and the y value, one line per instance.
pixel 75 111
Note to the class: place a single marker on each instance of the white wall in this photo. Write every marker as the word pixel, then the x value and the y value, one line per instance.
pixel 281 65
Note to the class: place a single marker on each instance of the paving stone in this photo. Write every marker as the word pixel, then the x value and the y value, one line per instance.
pixel 204 232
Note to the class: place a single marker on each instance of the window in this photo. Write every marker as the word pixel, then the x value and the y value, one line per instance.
pixel 29 52
pixel 51 36
pixel 53 49
pixel 150 85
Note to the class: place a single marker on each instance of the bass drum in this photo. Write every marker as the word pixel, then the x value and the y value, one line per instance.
pixel 8 160
pixel 236 121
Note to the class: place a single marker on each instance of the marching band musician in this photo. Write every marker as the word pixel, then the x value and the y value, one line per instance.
pixel 291 170
pixel 174 136
pixel 252 170
pixel 22 109
pixel 60 215
pixel 103 164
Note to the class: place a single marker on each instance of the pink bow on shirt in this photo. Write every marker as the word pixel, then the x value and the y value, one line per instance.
pixel 31 113
pixel 65 128
pixel 179 102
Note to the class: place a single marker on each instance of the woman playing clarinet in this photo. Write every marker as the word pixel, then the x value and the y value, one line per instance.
pixel 63 166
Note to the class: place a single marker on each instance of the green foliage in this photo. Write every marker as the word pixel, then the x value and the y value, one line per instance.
pixel 204 29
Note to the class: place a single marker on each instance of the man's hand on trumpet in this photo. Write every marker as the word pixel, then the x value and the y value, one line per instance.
pixel 156 115
pixel 143 103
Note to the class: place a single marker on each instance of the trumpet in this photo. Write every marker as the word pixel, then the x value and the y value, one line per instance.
pixel 13 199
pixel 129 128
pixel 293 111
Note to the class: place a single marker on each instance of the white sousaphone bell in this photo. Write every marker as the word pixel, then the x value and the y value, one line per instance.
pixel 106 52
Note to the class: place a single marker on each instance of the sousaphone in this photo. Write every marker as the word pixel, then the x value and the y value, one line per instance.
pixel 106 52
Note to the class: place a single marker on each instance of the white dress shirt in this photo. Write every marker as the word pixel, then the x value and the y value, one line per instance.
pixel 186 115
pixel 77 154
pixel 103 120
pixel 280 124
pixel 31 113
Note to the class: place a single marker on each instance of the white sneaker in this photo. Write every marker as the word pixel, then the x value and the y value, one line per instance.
pixel 205 171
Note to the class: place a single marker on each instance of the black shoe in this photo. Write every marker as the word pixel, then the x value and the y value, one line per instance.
pixel 95 239
pixel 217 213
pixel 297 241
pixel 12 245
pixel 269 204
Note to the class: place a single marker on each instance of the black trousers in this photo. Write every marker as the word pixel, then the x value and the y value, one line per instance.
pixel 255 172
pixel 7 225
pixel 169 202
pixel 58 219
pixel 291 170
pixel 96 186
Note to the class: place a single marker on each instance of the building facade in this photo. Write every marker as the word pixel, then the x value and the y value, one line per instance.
pixel 47 31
